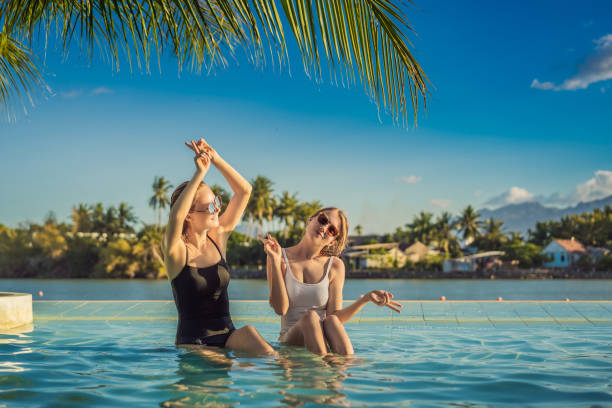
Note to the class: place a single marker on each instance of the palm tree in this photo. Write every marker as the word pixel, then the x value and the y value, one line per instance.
pixel 125 217
pixel 358 230
pixel 285 210
pixel 468 223
pixel 443 234
pixel 305 210
pixel 159 200
pixel 493 237
pixel 81 218
pixel 261 204
pixel 99 220
pixel 421 227
pixel 366 36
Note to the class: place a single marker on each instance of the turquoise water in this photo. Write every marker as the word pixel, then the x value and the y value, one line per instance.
pixel 434 354
pixel 91 289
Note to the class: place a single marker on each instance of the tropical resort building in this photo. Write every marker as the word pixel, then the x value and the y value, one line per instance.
pixel 563 253
pixel 381 256
pixel 489 260
pixel 418 252
pixel 386 255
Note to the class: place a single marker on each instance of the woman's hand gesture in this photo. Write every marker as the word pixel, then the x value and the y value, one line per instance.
pixel 204 147
pixel 383 298
pixel 272 247
pixel 202 159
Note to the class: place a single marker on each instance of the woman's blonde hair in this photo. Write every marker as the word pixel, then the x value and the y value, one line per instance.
pixel 175 195
pixel 337 248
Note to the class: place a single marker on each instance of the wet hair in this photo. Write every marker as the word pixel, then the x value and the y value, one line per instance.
pixel 337 248
pixel 175 195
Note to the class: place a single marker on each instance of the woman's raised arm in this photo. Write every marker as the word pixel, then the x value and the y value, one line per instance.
pixel 239 185
pixel 172 243
pixel 279 300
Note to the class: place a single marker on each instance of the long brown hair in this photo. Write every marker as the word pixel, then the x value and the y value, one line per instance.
pixel 337 248
pixel 175 195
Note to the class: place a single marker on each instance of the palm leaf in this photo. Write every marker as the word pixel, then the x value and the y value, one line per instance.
pixel 19 74
pixel 368 38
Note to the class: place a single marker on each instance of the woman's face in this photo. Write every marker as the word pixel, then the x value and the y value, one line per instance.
pixel 324 229
pixel 199 215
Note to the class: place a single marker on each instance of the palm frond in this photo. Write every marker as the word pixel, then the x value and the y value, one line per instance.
pixel 19 74
pixel 368 38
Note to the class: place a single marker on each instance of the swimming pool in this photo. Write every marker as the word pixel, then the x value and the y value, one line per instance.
pixel 84 353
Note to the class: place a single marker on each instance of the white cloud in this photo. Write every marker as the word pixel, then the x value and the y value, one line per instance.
pixel 410 179
pixel 440 203
pixel 545 86
pixel 595 68
pixel 101 90
pixel 514 195
pixel 71 94
pixel 596 188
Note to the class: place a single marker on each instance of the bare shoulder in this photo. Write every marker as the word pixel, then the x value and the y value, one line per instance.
pixel 337 270
pixel 174 258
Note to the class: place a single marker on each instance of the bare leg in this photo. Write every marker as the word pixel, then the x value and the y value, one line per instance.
pixel 307 332
pixel 336 336
pixel 248 339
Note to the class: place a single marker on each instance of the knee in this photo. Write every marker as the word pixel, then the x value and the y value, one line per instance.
pixel 261 346
pixel 332 321
pixel 311 318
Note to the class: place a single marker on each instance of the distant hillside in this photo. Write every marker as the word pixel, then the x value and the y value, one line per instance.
pixel 521 217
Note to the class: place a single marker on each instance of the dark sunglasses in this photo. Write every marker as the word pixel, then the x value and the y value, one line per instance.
pixel 332 231
pixel 212 207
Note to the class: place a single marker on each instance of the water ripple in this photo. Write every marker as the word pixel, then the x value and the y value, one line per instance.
pixel 114 364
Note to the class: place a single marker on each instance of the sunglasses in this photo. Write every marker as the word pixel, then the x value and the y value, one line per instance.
pixel 331 230
pixel 212 207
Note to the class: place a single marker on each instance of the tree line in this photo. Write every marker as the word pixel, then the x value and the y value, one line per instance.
pixel 111 242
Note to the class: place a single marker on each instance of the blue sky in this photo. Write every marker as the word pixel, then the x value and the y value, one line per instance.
pixel 520 110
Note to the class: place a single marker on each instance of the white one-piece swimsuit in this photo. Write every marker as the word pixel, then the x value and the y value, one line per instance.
pixel 304 297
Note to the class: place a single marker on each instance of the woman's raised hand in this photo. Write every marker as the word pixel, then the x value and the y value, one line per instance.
pixel 202 159
pixel 205 147
pixel 383 298
pixel 271 247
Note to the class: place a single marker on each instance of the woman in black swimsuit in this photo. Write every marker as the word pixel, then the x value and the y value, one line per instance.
pixel 194 254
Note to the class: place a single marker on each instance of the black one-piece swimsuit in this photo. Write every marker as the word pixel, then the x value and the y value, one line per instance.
pixel 201 299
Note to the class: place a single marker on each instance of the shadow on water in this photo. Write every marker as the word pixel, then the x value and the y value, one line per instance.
pixel 213 377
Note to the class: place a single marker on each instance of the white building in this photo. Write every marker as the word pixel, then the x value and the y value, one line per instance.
pixel 471 263
pixel 563 253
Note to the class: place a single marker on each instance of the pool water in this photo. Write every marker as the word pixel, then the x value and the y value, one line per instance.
pixel 434 354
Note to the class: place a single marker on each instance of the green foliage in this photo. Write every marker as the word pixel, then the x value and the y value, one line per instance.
pixel 94 218
pixel 365 39
pixel 492 238
pixel 431 263
pixel 605 263
pixel 592 229
pixel 585 262
pixel 160 199
pixel 101 243
pixel 468 223
pixel 244 254
pixel 527 254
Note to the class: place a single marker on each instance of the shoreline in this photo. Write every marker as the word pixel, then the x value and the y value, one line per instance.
pixel 504 274
pixel 514 274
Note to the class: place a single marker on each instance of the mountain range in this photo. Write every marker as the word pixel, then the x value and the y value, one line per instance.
pixel 521 217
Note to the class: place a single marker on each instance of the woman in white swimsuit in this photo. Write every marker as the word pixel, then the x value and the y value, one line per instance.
pixel 306 283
